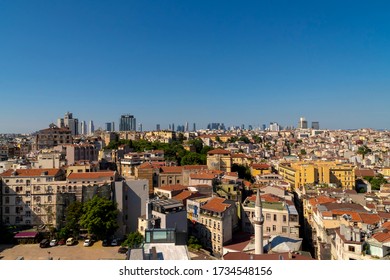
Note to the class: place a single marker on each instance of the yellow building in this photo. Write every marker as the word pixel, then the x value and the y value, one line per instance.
pixel 260 169
pixel 219 159
pixel 299 174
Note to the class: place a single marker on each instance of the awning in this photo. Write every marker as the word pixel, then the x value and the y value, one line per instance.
pixel 26 234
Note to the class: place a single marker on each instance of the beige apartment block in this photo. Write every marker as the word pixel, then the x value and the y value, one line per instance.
pixel 33 196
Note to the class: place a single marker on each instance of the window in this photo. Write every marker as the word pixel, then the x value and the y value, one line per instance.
pixel 49 199
pixel 6 210
pixel 274 228
pixel 6 200
pixel 268 229
pixel 275 217
pixel 6 190
pixel 284 218
pixel 351 248
pixel 28 213
pixel 268 217
pixel 28 203
pixel 284 229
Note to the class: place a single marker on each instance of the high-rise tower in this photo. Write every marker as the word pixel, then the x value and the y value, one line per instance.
pixel 127 123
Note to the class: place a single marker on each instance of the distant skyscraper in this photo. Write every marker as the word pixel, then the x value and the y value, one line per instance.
pixel 194 128
pixel 83 128
pixel 186 128
pixel 250 127
pixel 69 122
pixel 302 123
pixel 263 127
pixel 108 126
pixel 158 127
pixel 140 127
pixel 127 123
pixel 173 127
pixel 273 126
pixel 315 125
pixel 91 128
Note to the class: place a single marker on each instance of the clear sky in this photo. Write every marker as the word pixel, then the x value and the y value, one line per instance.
pixel 236 62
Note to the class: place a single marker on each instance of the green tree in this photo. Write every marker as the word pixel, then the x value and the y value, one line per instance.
pixel 72 218
pixel 197 143
pixel 100 217
pixel 363 150
pixel 192 158
pixel 133 240
pixel 193 243
pixel 243 171
pixel 303 152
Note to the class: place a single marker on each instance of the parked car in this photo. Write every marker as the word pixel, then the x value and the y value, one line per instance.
pixel 70 241
pixel 61 242
pixel 53 242
pixel 114 242
pixel 105 243
pixel 87 242
pixel 44 243
pixel 122 250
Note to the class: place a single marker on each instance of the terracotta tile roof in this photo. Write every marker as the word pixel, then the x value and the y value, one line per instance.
pixel 386 225
pixel 321 200
pixel 239 156
pixel 216 204
pixel 267 197
pixel 364 173
pixel 171 169
pixel 260 166
pixel 370 219
pixel 232 174
pixel 218 152
pixel 31 172
pixel 148 165
pixel 91 175
pixel 382 236
pixel 384 215
pixel 184 195
pixel 176 187
pixel 355 217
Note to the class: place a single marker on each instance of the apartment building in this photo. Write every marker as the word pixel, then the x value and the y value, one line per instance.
pixel 217 221
pixel 280 216
pixel 299 174
pixel 34 196
pixel 51 137
pixel 219 159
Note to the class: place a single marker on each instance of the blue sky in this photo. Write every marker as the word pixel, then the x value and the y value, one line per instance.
pixel 236 62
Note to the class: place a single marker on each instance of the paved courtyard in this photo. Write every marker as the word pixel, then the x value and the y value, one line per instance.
pixel 76 252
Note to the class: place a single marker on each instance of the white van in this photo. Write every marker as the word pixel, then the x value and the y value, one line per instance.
pixel 70 241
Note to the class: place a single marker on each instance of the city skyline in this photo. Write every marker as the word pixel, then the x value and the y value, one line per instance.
pixel 195 62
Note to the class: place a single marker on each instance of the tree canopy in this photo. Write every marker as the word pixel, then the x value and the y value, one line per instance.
pixel 133 240
pixel 99 217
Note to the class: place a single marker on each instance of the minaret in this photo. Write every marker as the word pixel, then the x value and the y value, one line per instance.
pixel 258 221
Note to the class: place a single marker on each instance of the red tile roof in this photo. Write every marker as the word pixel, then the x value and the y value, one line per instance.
pixel 370 219
pixel 148 165
pixel 91 175
pixel 218 152
pixel 31 172
pixel 382 236
pixel 184 195
pixel 216 204
pixel 260 166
